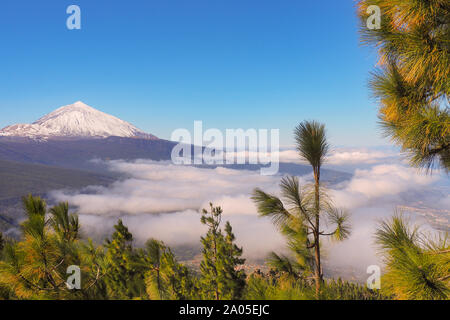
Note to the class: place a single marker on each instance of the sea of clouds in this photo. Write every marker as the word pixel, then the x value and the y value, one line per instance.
pixel 163 201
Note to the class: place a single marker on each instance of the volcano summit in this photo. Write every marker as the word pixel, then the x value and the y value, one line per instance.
pixel 77 120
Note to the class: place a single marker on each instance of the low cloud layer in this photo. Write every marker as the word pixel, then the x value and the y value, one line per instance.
pixel 157 187
pixel 380 185
pixel 162 200
pixel 346 156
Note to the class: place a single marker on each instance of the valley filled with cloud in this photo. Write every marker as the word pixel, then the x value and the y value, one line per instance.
pixel 163 201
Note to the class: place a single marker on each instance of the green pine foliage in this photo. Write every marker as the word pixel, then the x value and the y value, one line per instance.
pixel 220 279
pixel 344 290
pixel 4 291
pixel 412 79
pixel 277 285
pixel 417 266
pixel 166 279
pixel 35 267
pixel 124 274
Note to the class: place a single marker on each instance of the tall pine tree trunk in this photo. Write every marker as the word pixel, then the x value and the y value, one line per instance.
pixel 318 270
pixel 215 267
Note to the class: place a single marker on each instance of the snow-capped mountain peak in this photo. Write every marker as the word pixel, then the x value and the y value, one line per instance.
pixel 73 121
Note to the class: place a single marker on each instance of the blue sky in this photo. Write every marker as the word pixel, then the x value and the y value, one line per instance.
pixel 161 64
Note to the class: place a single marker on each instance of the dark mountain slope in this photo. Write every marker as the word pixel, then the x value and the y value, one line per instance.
pixel 76 153
pixel 19 179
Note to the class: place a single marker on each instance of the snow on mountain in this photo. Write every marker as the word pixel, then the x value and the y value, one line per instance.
pixel 73 121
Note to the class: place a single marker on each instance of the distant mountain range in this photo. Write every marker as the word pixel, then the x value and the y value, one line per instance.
pixel 74 134
pixel 55 152
pixel 77 152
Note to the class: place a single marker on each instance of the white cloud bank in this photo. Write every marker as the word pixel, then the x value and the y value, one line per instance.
pixel 345 156
pixel 156 187
pixel 163 200
pixel 380 184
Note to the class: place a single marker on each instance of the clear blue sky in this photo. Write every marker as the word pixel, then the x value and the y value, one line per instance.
pixel 161 64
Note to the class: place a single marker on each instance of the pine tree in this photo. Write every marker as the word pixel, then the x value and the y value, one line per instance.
pixel 220 279
pixel 65 225
pixel 299 213
pixel 93 262
pixel 124 276
pixel 230 257
pixel 417 267
pixel 36 266
pixel 29 266
pixel 166 279
pixel 5 292
pixel 412 80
